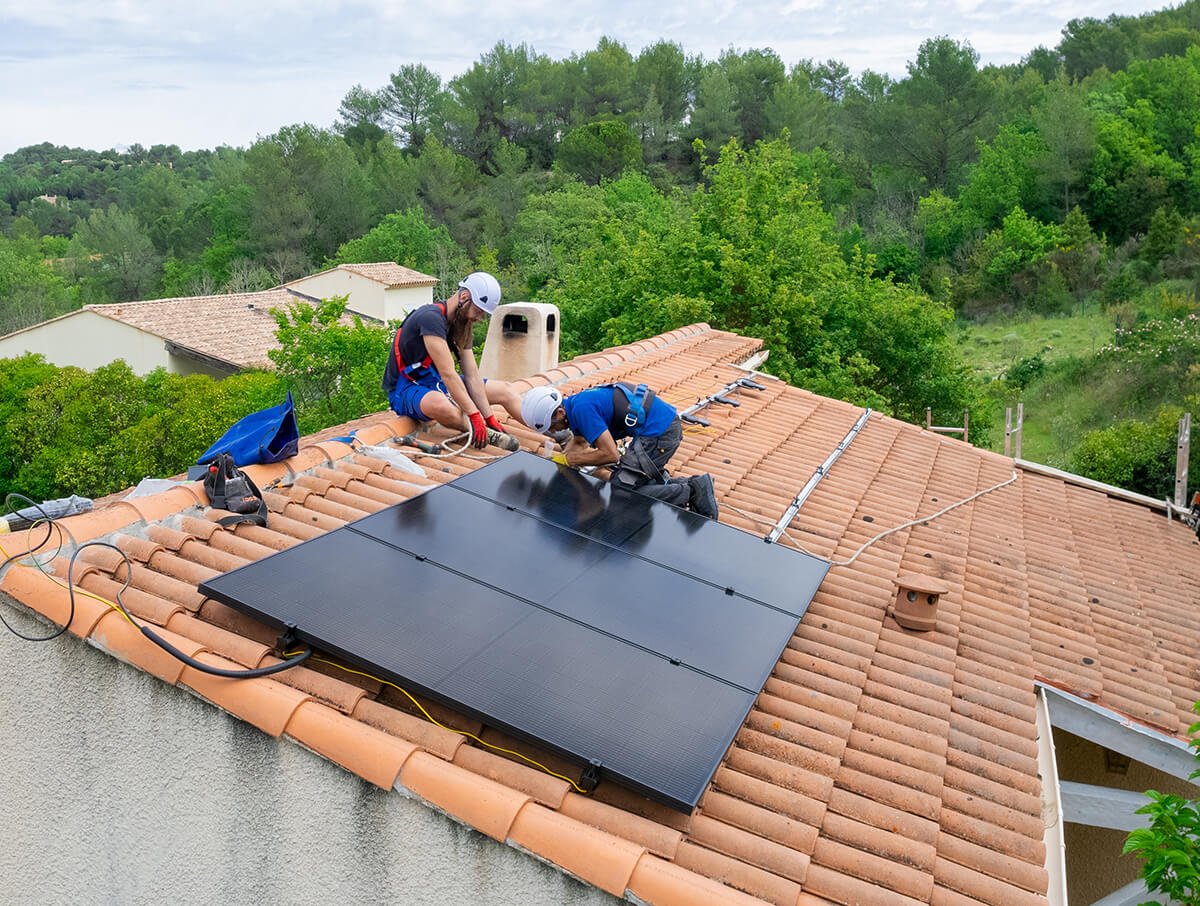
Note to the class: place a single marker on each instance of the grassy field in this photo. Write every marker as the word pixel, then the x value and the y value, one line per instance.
pixel 991 347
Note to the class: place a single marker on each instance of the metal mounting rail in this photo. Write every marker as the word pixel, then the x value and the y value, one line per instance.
pixel 721 396
pixel 790 514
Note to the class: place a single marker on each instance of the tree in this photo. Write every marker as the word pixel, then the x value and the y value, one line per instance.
pixel 755 75
pixel 358 108
pixel 333 369
pixel 661 71
pixel 410 102
pixel 1068 129
pixel 409 239
pixel 930 122
pixel 1089 44
pixel 600 150
pixel 604 88
pixel 713 120
pixel 113 250
pixel 30 289
pixel 802 110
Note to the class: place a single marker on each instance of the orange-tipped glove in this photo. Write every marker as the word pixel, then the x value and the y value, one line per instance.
pixel 478 431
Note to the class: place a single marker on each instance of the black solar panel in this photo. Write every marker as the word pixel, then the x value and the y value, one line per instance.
pixel 613 629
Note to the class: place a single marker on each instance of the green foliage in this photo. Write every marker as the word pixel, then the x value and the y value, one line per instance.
pixel 409 239
pixel 751 250
pixel 333 368
pixel 1132 454
pixel 66 431
pixel 1023 371
pixel 114 253
pixel 599 151
pixel 31 289
pixel 1170 846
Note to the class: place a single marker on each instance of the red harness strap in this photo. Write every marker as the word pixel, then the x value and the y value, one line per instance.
pixel 409 370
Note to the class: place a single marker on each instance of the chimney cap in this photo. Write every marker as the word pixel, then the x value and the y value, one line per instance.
pixel 926 585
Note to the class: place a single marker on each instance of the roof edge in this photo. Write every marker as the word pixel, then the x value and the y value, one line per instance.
pixel 1162 506
pixel 1117 731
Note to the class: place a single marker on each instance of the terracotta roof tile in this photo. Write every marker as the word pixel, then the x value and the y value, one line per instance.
pixel 878 765
pixel 390 274
pixel 237 329
pixel 264 703
pixel 486 805
pixel 590 854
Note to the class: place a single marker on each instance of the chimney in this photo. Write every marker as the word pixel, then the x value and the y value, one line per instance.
pixel 917 599
pixel 522 339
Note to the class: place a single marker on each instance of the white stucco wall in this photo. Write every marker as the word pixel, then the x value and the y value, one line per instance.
pixel 400 300
pixel 367 297
pixel 120 789
pixel 89 340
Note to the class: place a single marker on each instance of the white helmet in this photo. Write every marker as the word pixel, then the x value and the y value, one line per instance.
pixel 484 290
pixel 538 407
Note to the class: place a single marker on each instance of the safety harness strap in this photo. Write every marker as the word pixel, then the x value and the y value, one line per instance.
pixel 411 371
pixel 630 404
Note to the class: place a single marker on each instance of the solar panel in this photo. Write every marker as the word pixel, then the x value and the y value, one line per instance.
pixel 615 630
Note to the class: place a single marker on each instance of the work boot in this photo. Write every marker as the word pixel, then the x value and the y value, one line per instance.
pixel 703 499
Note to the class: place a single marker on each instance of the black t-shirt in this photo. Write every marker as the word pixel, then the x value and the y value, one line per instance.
pixel 426 321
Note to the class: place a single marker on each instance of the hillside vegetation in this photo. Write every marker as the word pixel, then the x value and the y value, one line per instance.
pixel 957 238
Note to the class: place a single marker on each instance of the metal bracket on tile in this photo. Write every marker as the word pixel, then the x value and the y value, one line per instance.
pixel 721 396
pixel 786 519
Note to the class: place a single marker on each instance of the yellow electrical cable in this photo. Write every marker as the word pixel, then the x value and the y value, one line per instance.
pixel 436 722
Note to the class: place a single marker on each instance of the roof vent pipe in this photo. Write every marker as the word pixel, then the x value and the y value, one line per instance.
pixel 917 597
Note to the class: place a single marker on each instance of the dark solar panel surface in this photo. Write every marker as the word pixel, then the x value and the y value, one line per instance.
pixel 606 626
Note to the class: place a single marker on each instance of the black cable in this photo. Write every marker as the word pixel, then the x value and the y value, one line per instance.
pixel 167 646
pixel 50 526
pixel 120 603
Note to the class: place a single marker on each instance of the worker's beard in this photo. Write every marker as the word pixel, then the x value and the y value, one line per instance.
pixel 459 328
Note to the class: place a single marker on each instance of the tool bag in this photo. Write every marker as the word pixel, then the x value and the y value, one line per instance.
pixel 229 488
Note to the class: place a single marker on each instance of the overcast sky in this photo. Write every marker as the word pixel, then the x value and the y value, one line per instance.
pixel 199 74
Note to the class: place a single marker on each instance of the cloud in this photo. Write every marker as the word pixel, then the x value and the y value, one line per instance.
pixel 221 71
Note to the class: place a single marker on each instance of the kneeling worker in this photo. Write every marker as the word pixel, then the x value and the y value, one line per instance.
pixel 420 379
pixel 599 417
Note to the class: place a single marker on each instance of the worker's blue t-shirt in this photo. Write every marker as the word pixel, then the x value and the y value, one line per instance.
pixel 590 414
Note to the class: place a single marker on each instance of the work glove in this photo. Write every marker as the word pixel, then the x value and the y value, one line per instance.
pixel 560 458
pixel 494 423
pixel 479 437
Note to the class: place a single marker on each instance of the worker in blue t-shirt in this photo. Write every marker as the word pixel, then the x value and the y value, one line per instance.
pixel 599 417
pixel 420 378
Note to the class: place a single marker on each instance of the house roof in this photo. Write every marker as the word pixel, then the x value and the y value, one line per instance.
pixel 386 272
pixel 236 329
pixel 878 765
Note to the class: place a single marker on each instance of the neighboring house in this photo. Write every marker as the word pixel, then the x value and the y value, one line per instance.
pixel 384 291
pixel 214 335
pixel 879 765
